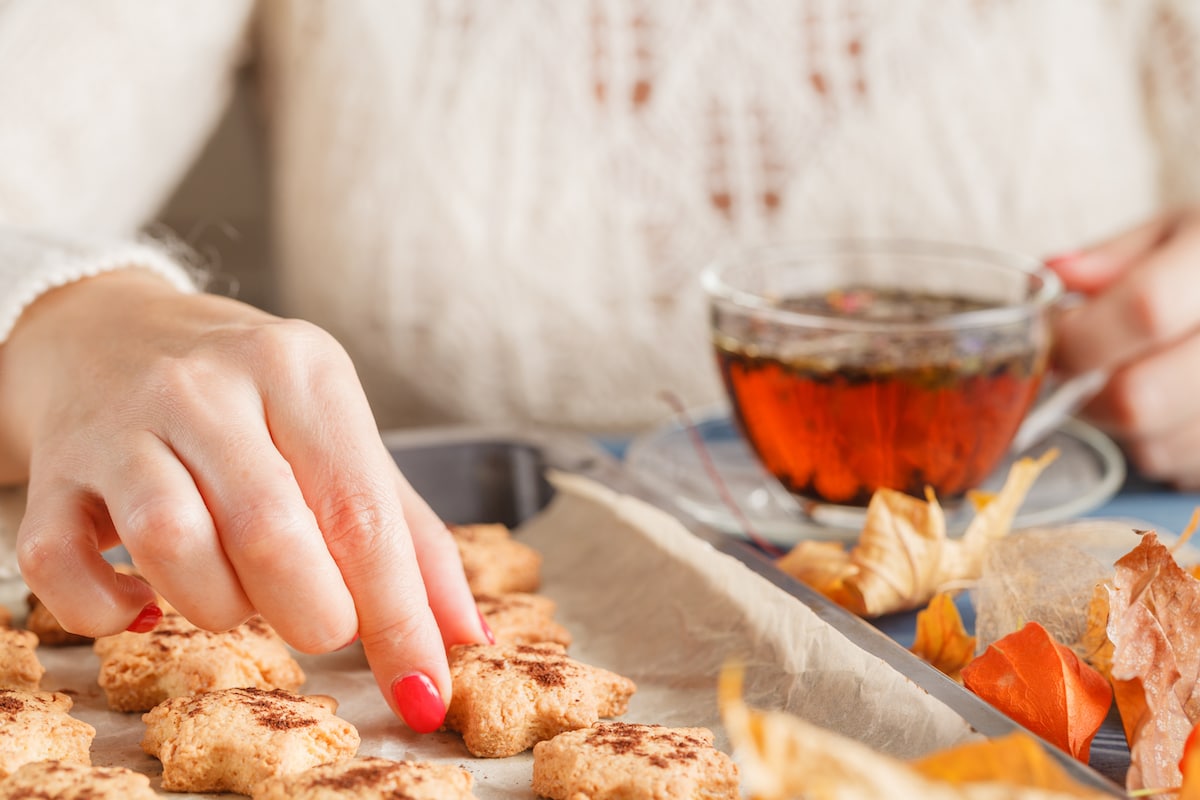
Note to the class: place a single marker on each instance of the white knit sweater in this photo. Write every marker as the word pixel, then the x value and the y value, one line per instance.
pixel 500 207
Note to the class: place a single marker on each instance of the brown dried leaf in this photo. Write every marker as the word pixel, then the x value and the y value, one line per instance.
pixel 903 556
pixel 1156 641
pixel 941 638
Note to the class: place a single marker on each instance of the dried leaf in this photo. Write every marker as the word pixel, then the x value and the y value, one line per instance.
pixel 941 637
pixel 1130 698
pixel 903 556
pixel 1154 605
pixel 1094 646
pixel 1189 766
pixel 1044 686
pixel 824 566
pixel 783 757
pixel 1017 759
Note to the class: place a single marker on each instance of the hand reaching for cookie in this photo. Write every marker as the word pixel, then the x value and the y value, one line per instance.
pixel 1141 322
pixel 234 455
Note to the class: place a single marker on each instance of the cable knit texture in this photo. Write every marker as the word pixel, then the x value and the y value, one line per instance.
pixel 501 208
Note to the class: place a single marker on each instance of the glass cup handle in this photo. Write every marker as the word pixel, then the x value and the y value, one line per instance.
pixel 1067 398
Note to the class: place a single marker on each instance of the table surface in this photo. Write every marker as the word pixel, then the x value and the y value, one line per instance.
pixel 1161 506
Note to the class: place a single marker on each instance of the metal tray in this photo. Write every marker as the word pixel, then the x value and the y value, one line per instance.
pixel 473 475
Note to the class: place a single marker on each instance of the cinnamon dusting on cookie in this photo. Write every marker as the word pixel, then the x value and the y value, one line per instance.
pixel 547 669
pixel 633 739
pixel 10 703
pixel 275 709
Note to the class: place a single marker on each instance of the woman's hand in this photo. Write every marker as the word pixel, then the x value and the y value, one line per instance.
pixel 1141 322
pixel 234 455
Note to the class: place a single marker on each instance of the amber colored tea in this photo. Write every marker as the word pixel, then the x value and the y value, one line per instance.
pixel 834 421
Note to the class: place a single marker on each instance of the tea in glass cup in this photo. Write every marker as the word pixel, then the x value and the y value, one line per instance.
pixel 858 365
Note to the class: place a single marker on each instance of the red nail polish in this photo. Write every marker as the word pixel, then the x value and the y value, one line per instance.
pixel 487 632
pixel 1063 258
pixel 419 703
pixel 146 619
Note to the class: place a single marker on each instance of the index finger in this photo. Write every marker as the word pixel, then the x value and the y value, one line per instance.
pixel 350 483
pixel 1150 305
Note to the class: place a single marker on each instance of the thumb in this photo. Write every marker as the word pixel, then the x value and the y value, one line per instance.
pixel 1094 268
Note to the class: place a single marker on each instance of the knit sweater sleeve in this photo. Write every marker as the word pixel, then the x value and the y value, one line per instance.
pixel 103 107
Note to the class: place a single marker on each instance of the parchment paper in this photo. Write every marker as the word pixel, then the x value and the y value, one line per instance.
pixel 643 597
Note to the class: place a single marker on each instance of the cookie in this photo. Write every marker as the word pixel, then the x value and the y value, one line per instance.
pixel 615 760
pixel 522 618
pixel 46 626
pixel 51 632
pixel 35 726
pixel 494 562
pixel 63 781
pixel 371 779
pixel 230 740
pixel 140 670
pixel 509 697
pixel 19 665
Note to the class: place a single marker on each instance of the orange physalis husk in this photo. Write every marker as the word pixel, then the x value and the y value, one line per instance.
pixel 941 637
pixel 1154 605
pixel 782 757
pixel 1017 759
pixel 1044 686
pixel 903 555
pixel 1189 767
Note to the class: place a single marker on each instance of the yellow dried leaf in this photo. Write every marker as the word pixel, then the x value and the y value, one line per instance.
pixel 903 556
pixel 1016 759
pixel 941 638
pixel 1130 698
pixel 824 566
pixel 784 758
pixel 1094 646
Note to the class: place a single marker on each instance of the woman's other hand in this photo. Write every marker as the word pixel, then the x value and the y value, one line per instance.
pixel 1141 322
pixel 234 455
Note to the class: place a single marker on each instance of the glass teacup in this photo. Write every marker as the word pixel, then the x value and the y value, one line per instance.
pixel 857 365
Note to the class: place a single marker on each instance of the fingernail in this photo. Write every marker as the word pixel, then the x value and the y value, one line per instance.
pixel 1062 259
pixel 487 632
pixel 419 703
pixel 146 619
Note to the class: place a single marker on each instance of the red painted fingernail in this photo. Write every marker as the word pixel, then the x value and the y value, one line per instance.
pixel 146 619
pixel 1063 258
pixel 487 632
pixel 419 703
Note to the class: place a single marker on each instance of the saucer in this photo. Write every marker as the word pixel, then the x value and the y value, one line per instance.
pixel 1088 471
